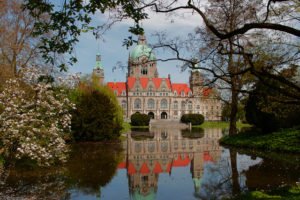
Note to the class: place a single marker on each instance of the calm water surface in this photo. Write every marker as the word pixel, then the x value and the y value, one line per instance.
pixel 157 164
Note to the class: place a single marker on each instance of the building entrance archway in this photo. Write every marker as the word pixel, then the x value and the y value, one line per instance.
pixel 164 115
pixel 151 115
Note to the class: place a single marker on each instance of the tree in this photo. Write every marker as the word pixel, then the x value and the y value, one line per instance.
pixel 18 48
pixel 235 22
pixel 34 121
pixel 97 116
pixel 67 21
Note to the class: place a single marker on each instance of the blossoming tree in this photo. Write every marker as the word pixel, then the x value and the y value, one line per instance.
pixel 34 120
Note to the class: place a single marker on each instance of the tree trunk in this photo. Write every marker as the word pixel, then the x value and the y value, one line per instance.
pixel 233 111
pixel 234 173
pixel 234 93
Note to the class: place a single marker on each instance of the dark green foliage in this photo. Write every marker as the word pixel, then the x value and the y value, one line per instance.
pixel 195 119
pixel 65 23
pixel 138 119
pixel 240 116
pixel 194 133
pixel 286 140
pixel 267 110
pixel 254 115
pixel 97 115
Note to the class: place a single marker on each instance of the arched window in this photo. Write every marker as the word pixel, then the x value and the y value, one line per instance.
pixel 137 104
pixel 190 105
pixel 175 104
pixel 163 88
pixel 183 105
pixel 164 104
pixel 144 71
pixel 137 88
pixel 175 93
pixel 182 93
pixel 151 104
pixel 124 104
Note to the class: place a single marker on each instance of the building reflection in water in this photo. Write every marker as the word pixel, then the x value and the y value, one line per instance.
pixel 163 150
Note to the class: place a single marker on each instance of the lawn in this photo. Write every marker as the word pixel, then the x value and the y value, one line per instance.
pixel 285 140
pixel 221 125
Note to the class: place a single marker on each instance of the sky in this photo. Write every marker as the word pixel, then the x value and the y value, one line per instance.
pixel 112 51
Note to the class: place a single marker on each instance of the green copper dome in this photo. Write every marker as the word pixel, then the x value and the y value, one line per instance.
pixel 98 64
pixel 142 49
pixel 149 196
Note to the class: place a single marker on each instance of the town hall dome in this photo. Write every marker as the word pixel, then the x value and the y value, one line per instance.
pixel 142 49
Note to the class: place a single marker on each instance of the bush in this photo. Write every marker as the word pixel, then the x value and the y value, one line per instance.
pixel 98 115
pixel 138 119
pixel 195 119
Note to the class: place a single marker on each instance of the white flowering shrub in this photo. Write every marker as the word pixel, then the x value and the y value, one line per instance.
pixel 34 121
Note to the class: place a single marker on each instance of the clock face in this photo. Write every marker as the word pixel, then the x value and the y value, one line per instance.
pixel 144 59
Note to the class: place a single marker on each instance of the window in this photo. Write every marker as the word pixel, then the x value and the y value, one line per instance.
pixel 198 107
pixel 164 104
pixel 151 104
pixel 163 88
pixel 144 71
pixel 182 105
pixel 124 104
pixel 182 93
pixel 123 92
pixel 137 104
pixel 190 105
pixel 175 93
pixel 116 92
pixel 137 88
pixel 175 104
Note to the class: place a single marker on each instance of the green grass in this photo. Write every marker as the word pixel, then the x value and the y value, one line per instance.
pixel 284 193
pixel 221 125
pixel 286 140
pixel 127 127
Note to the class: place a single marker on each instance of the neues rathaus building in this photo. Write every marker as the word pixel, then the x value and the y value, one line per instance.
pixel 145 92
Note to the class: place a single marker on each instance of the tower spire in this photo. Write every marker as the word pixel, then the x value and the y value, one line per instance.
pixel 142 39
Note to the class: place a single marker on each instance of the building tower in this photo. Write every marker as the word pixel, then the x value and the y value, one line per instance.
pixel 142 61
pixel 98 71
pixel 196 82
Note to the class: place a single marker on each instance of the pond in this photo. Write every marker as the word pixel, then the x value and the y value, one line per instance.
pixel 157 164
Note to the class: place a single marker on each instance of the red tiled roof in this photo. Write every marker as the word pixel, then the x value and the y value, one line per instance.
pixel 131 169
pixel 117 86
pixel 144 169
pixel 179 87
pixel 179 162
pixel 131 81
pixel 207 157
pixel 122 165
pixel 157 168
pixel 144 82
pixel 207 91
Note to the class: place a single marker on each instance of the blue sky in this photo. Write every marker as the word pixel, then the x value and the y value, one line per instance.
pixel 112 51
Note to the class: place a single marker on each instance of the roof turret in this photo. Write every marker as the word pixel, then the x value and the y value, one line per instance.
pixel 98 64
pixel 142 49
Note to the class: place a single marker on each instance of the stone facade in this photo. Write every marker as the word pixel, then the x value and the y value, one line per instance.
pixel 145 92
pixel 166 149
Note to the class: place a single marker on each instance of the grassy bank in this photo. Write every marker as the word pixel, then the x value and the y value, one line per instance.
pixel 286 193
pixel 286 140
pixel 220 125
pixel 127 127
